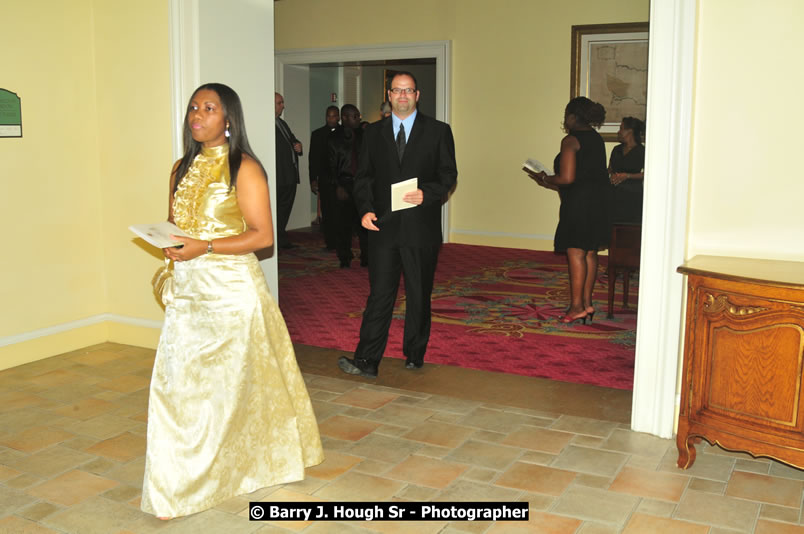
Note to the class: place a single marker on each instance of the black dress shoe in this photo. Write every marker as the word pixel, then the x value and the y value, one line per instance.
pixel 350 366
pixel 363 262
pixel 411 364
pixel 345 264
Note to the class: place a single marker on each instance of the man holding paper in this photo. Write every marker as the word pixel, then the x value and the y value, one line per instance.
pixel 406 171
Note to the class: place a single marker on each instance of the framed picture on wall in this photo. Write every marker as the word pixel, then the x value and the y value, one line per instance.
pixel 388 75
pixel 610 66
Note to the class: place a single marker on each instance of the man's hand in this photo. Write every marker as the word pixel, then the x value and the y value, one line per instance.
pixel 297 147
pixel 314 187
pixel 414 197
pixel 368 221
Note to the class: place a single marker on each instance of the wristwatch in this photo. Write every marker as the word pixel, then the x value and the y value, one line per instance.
pixel 209 247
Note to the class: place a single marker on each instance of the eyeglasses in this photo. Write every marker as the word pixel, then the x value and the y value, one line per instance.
pixel 406 90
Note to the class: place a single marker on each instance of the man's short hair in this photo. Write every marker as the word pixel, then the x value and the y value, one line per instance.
pixel 406 73
pixel 330 108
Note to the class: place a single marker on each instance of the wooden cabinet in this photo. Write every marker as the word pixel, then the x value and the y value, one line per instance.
pixel 743 370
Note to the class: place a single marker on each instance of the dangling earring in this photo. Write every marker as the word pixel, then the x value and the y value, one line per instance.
pixel 226 131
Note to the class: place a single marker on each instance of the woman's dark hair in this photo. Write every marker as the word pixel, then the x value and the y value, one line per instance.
pixel 636 126
pixel 586 112
pixel 238 140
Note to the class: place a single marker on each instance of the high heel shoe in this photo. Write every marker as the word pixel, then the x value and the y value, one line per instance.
pixel 569 319
pixel 590 312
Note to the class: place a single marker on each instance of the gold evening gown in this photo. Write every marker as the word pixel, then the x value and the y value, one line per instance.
pixel 228 411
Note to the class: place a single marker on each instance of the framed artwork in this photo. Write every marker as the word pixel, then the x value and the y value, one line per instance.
pixel 388 75
pixel 610 66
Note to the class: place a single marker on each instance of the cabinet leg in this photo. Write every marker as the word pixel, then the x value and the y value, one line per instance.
pixel 686 450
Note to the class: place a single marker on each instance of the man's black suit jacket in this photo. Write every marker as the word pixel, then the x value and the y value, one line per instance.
pixel 318 155
pixel 287 161
pixel 429 156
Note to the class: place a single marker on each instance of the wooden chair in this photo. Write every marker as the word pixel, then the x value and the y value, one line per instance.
pixel 624 251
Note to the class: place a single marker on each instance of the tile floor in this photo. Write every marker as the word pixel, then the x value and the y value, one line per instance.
pixel 72 440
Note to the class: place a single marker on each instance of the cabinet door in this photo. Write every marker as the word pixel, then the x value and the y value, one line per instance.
pixel 751 373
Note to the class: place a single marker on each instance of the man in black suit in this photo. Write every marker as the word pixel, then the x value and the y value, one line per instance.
pixel 405 145
pixel 288 150
pixel 319 174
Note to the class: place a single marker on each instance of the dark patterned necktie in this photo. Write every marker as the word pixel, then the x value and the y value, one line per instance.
pixel 400 141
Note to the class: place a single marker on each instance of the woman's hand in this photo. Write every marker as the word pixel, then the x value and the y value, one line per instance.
pixel 618 177
pixel 192 249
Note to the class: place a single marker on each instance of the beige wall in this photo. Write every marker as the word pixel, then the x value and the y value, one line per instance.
pixel 747 185
pixel 510 75
pixel 94 82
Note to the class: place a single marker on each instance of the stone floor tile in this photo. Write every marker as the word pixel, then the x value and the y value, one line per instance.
pixel 24 481
pixel 663 486
pixel 18 525
pixel 51 462
pixel 537 502
pixel 95 358
pixel 591 504
pixel 707 486
pixel 488 435
pixel 592 461
pixel 122 448
pixel 384 448
pixel 334 465
pixel 538 439
pixel 122 493
pixel 717 510
pixel 308 485
pixel 38 511
pixel 772 527
pixel 79 443
pixel 752 466
pixel 71 488
pixel 434 451
pixel 392 430
pixel 446 417
pixel 778 469
pixel 125 383
pixel 780 513
pixel 581 440
pixel 711 466
pixel 103 426
pixel 411 492
pixel 372 467
pixel 326 528
pixel 541 458
pixel 536 479
pixel 651 463
pixel 539 522
pixel 322 395
pixel 335 385
pixel 100 466
pixel 480 474
pixel 441 434
pixel 450 404
pixel 358 413
pixel 582 425
pixel 365 398
pixel 131 473
pixel 398 414
pixel 497 421
pixel 480 454
pixel 234 505
pixel 465 490
pixel 765 488
pixel 426 472
pixel 7 473
pixel 654 507
pixel 12 500
pixel 622 440
pixel 592 481
pixel 359 487
pixel 642 523
pixel 347 428
pixel 94 516
pixel 401 527
pixel 14 400
pixel 590 527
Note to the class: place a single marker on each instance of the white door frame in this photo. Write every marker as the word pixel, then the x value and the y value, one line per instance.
pixel 440 50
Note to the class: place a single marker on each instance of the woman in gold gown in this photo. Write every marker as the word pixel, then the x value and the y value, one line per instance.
pixel 228 409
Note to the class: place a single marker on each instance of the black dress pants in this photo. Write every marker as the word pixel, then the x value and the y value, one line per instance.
pixel 417 265
pixel 347 222
pixel 326 192
pixel 285 195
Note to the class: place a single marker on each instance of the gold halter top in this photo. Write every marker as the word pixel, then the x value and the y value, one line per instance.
pixel 204 205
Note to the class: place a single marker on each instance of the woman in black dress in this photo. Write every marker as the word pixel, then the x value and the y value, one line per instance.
pixel 626 169
pixel 582 181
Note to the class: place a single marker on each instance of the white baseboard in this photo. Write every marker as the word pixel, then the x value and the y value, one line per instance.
pixel 80 323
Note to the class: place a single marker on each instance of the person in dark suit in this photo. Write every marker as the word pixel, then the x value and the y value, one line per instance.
pixel 405 145
pixel 288 150
pixel 344 151
pixel 320 183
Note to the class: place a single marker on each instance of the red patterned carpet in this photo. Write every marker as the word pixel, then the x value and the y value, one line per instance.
pixel 494 309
